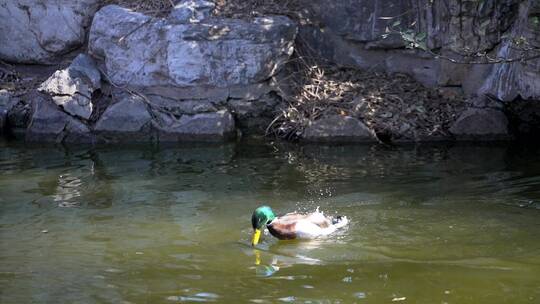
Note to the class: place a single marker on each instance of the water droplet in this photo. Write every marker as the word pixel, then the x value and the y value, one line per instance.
pixel 360 295
pixel 288 299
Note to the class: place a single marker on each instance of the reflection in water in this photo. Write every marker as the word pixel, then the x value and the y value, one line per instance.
pixel 171 224
pixel 67 191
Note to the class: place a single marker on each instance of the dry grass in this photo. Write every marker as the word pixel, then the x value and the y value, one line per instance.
pixel 395 106
pixel 155 8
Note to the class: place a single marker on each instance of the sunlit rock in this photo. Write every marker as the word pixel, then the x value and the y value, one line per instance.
pixel 72 88
pixel 39 31
pixel 191 11
pixel 215 52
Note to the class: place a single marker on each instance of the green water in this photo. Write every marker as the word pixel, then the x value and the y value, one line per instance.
pixel 431 224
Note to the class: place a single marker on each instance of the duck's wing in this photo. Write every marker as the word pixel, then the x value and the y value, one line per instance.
pixel 319 219
pixel 290 218
pixel 308 229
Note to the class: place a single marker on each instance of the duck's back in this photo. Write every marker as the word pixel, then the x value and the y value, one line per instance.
pixel 303 226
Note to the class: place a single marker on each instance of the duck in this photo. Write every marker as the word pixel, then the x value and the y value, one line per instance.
pixel 294 225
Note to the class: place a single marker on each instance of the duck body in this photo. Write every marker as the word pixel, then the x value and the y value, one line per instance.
pixel 304 226
pixel 294 225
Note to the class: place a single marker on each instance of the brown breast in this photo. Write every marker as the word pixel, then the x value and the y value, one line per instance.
pixel 282 231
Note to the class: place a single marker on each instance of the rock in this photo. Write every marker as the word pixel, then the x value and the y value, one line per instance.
pixel 128 115
pixel 481 124
pixel 191 11
pixel 39 31
pixel 189 106
pixel 50 124
pixel 337 128
pixel 506 81
pixel 5 105
pixel 73 87
pixel 84 66
pixel 216 52
pixel 3 120
pixel 353 32
pixel 217 126
pixel 254 116
pixel 19 115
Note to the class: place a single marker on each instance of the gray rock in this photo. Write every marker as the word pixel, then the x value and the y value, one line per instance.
pixel 85 66
pixel 5 106
pixel 254 116
pixel 506 81
pixel 50 124
pixel 38 31
pixel 216 126
pixel 3 119
pixel 179 107
pixel 73 87
pixel 143 52
pixel 481 124
pixel 130 114
pixel 337 128
pixel 191 11
pixel 352 32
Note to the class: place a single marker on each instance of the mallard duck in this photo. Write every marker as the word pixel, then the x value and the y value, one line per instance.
pixel 294 225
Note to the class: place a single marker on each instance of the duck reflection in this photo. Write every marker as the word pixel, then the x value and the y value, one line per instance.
pixel 268 263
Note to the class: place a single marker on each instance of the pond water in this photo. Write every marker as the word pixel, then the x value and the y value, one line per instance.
pixel 429 224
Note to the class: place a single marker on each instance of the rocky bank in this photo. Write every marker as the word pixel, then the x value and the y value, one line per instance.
pixel 84 72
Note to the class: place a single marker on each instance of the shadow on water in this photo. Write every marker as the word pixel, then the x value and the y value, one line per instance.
pixel 148 224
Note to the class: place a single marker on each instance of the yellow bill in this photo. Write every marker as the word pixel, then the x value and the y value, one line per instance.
pixel 256 237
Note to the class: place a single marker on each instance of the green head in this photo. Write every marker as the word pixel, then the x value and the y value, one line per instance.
pixel 260 218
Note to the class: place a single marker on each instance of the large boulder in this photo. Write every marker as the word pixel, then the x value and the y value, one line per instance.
pixel 481 124
pixel 72 88
pixel 39 31
pixel 140 51
pixel 338 128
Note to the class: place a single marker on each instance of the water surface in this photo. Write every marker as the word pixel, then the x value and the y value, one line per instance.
pixel 429 224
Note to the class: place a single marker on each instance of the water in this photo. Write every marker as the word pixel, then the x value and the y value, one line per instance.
pixel 432 224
